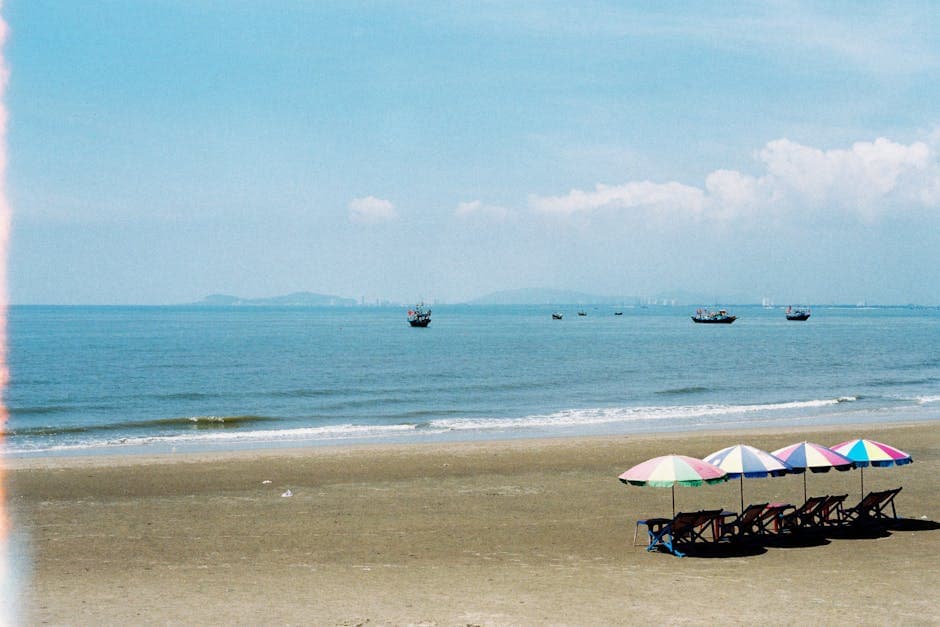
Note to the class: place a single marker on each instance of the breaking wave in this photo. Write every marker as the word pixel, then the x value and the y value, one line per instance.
pixel 190 422
pixel 204 430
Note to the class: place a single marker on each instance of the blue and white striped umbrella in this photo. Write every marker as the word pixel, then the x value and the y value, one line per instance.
pixel 741 461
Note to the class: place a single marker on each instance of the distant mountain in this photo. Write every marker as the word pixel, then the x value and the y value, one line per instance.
pixel 297 299
pixel 537 296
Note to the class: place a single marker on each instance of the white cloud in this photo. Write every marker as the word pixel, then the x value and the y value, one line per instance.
pixel 864 181
pixel 627 196
pixel 477 208
pixel 731 193
pixel 371 210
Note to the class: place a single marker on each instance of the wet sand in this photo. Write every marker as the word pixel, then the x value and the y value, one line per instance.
pixel 515 532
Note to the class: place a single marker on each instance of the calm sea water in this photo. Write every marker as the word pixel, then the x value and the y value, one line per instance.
pixel 130 379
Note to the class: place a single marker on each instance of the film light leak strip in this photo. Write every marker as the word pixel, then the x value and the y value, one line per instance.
pixel 7 585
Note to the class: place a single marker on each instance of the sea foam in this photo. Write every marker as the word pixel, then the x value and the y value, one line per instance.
pixel 680 415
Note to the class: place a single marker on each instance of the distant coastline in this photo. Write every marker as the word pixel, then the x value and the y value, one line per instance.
pixel 531 296
pixel 514 297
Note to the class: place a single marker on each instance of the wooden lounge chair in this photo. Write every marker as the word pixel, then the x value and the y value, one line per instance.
pixel 872 508
pixel 830 511
pixel 685 528
pixel 747 523
pixel 709 520
pixel 769 520
pixel 803 516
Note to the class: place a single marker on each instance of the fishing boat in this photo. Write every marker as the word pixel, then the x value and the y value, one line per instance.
pixel 618 313
pixel 705 316
pixel 557 316
pixel 582 313
pixel 798 313
pixel 420 316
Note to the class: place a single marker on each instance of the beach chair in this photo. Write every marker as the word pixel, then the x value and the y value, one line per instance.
pixel 830 511
pixel 709 520
pixel 872 508
pixel 685 528
pixel 769 520
pixel 661 530
pixel 746 523
pixel 803 516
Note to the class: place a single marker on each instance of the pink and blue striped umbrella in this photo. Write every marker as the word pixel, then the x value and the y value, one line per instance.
pixel 870 453
pixel 741 461
pixel 669 471
pixel 813 457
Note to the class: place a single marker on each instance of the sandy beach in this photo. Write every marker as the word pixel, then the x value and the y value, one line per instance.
pixel 511 532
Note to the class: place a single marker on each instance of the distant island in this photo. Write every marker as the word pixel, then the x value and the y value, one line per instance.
pixel 297 299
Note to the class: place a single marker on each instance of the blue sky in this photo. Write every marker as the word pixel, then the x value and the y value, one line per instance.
pixel 163 150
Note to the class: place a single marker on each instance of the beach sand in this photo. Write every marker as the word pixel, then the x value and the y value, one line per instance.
pixel 513 532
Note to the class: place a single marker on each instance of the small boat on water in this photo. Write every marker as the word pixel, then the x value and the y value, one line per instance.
pixel 582 313
pixel 557 316
pixel 420 316
pixel 705 316
pixel 798 313
pixel 618 313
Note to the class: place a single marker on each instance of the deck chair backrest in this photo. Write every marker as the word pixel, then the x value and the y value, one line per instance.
pixel 872 500
pixel 832 504
pixel 684 521
pixel 804 515
pixel 771 512
pixel 708 515
pixel 811 505
pixel 887 498
pixel 808 508
pixel 751 512
pixel 749 521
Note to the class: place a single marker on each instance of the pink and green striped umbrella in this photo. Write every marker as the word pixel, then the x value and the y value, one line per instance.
pixel 669 471
pixel 870 453
pixel 813 457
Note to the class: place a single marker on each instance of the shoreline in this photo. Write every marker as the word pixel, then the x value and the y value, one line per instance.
pixel 340 447
pixel 484 532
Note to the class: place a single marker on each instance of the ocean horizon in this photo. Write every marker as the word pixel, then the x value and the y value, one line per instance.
pixel 137 379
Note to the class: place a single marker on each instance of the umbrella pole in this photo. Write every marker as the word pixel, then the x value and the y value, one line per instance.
pixel 862 474
pixel 673 500
pixel 742 494
pixel 805 472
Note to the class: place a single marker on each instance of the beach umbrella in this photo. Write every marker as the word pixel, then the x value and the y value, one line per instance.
pixel 741 461
pixel 813 457
pixel 669 471
pixel 871 453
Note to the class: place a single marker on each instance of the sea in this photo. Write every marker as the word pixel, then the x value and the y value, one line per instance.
pixel 122 380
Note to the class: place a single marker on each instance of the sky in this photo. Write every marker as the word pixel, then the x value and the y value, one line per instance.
pixel 163 150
